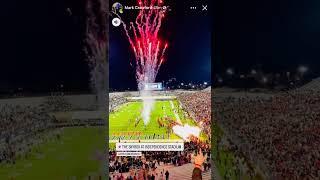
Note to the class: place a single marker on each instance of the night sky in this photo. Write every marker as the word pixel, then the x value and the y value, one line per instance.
pixel 189 51
pixel 271 34
pixel 41 45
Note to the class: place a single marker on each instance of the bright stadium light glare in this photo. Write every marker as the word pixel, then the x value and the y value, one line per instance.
pixel 205 83
pixel 264 79
pixel 302 69
pixel 230 71
pixel 288 73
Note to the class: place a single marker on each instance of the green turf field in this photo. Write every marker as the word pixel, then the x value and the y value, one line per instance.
pixel 78 153
pixel 123 119
pixel 225 160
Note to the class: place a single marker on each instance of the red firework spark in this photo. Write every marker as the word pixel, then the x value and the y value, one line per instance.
pixel 144 39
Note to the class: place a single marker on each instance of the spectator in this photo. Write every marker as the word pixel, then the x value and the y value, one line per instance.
pixel 278 133
pixel 167 175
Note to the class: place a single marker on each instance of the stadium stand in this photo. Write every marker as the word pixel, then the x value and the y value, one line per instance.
pixel 57 102
pixel 115 100
pixel 265 131
pixel 22 124
pixel 198 105
pixel 178 164
pixel 19 128
pixel 311 86
pixel 208 89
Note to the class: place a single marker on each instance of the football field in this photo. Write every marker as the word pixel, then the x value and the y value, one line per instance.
pixel 126 119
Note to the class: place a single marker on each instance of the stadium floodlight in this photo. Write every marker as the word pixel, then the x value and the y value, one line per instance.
pixel 253 72
pixel 302 69
pixel 205 83
pixel 264 79
pixel 230 71
pixel 181 84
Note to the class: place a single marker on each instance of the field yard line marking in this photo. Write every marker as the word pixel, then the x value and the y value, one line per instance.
pixel 172 105
pixel 175 113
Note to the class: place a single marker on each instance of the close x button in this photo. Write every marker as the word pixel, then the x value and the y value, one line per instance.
pixel 204 7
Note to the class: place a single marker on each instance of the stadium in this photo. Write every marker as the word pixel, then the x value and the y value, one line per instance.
pixel 177 116
pixel 147 105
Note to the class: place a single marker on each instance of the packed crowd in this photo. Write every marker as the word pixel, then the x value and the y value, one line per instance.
pixel 144 167
pixel 57 102
pixel 229 155
pixel 115 100
pixel 280 133
pixel 18 125
pixel 198 105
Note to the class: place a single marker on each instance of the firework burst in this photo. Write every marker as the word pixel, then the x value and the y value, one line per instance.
pixel 143 35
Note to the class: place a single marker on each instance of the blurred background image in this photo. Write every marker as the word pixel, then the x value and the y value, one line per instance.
pixel 267 89
pixel 53 89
